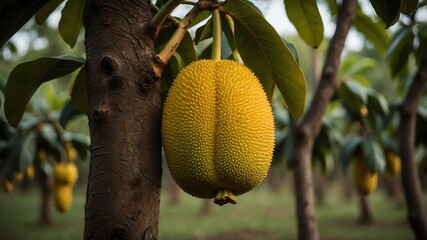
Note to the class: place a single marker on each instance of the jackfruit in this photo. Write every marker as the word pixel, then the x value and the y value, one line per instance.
pixel 366 182
pixel 65 173
pixel 393 163
pixel 19 176
pixel 63 196
pixel 217 130
pixel 30 172
pixel 7 185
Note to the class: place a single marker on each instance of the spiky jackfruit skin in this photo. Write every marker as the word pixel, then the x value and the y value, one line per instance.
pixel 393 163
pixel 65 173
pixel 365 181
pixel 63 196
pixel 217 129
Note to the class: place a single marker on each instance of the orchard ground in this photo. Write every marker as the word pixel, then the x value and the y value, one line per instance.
pixel 259 214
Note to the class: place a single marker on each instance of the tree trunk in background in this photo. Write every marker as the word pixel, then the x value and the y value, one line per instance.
pixel 319 187
pixel 124 182
pixel 46 199
pixel 411 185
pixel 392 188
pixel 274 178
pixel 306 130
pixel 366 215
pixel 175 191
pixel 206 207
pixel 347 187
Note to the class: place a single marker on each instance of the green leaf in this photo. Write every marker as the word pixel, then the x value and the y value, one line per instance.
pixel 79 96
pixel 46 10
pixel 201 17
pixel 373 154
pixel 388 10
pixel 378 103
pixel 25 79
pixel 203 32
pixel 353 95
pixel 399 50
pixel 333 6
pixel 68 112
pixel 265 53
pixel 306 18
pixel 24 151
pixel 174 66
pixel 373 31
pixel 409 6
pixel 80 142
pixel 349 149
pixel 14 14
pixel 71 21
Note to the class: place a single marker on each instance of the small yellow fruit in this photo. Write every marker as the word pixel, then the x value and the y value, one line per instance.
pixel 19 176
pixel 71 152
pixel 30 172
pixel 63 196
pixel 365 181
pixel 7 185
pixel 217 129
pixel 363 111
pixel 65 173
pixel 393 163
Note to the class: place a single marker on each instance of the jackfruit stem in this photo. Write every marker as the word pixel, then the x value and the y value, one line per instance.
pixel 225 196
pixel 216 44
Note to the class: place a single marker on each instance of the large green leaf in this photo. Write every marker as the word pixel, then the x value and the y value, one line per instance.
pixel 265 53
pixel 79 95
pixel 399 50
pixel 14 14
pixel 71 21
pixel 24 151
pixel 203 32
pixel 348 149
pixel 378 103
pixel 46 10
pixel 408 6
pixel 353 95
pixel 306 18
pixel 68 112
pixel 373 154
pixel 373 31
pixel 387 10
pixel 25 79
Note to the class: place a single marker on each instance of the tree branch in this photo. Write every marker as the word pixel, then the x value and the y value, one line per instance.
pixel 329 82
pixel 164 12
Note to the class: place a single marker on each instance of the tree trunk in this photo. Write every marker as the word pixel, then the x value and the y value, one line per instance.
pixel 175 191
pixel 306 131
pixel 319 187
pixel 366 215
pixel 123 193
pixel 206 208
pixel 410 180
pixel 46 199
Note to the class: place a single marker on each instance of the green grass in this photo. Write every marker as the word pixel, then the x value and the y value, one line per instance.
pixel 259 214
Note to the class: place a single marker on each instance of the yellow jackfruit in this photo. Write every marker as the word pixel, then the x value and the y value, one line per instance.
pixel 365 181
pixel 30 172
pixel 65 173
pixel 393 163
pixel 7 185
pixel 217 129
pixel 63 196
pixel 19 176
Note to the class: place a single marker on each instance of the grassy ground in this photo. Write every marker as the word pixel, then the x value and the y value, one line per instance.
pixel 259 214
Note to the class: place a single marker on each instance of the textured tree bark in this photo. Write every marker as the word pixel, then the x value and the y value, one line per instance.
pixel 46 199
pixel 410 180
pixel 306 130
pixel 123 192
pixel 366 215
